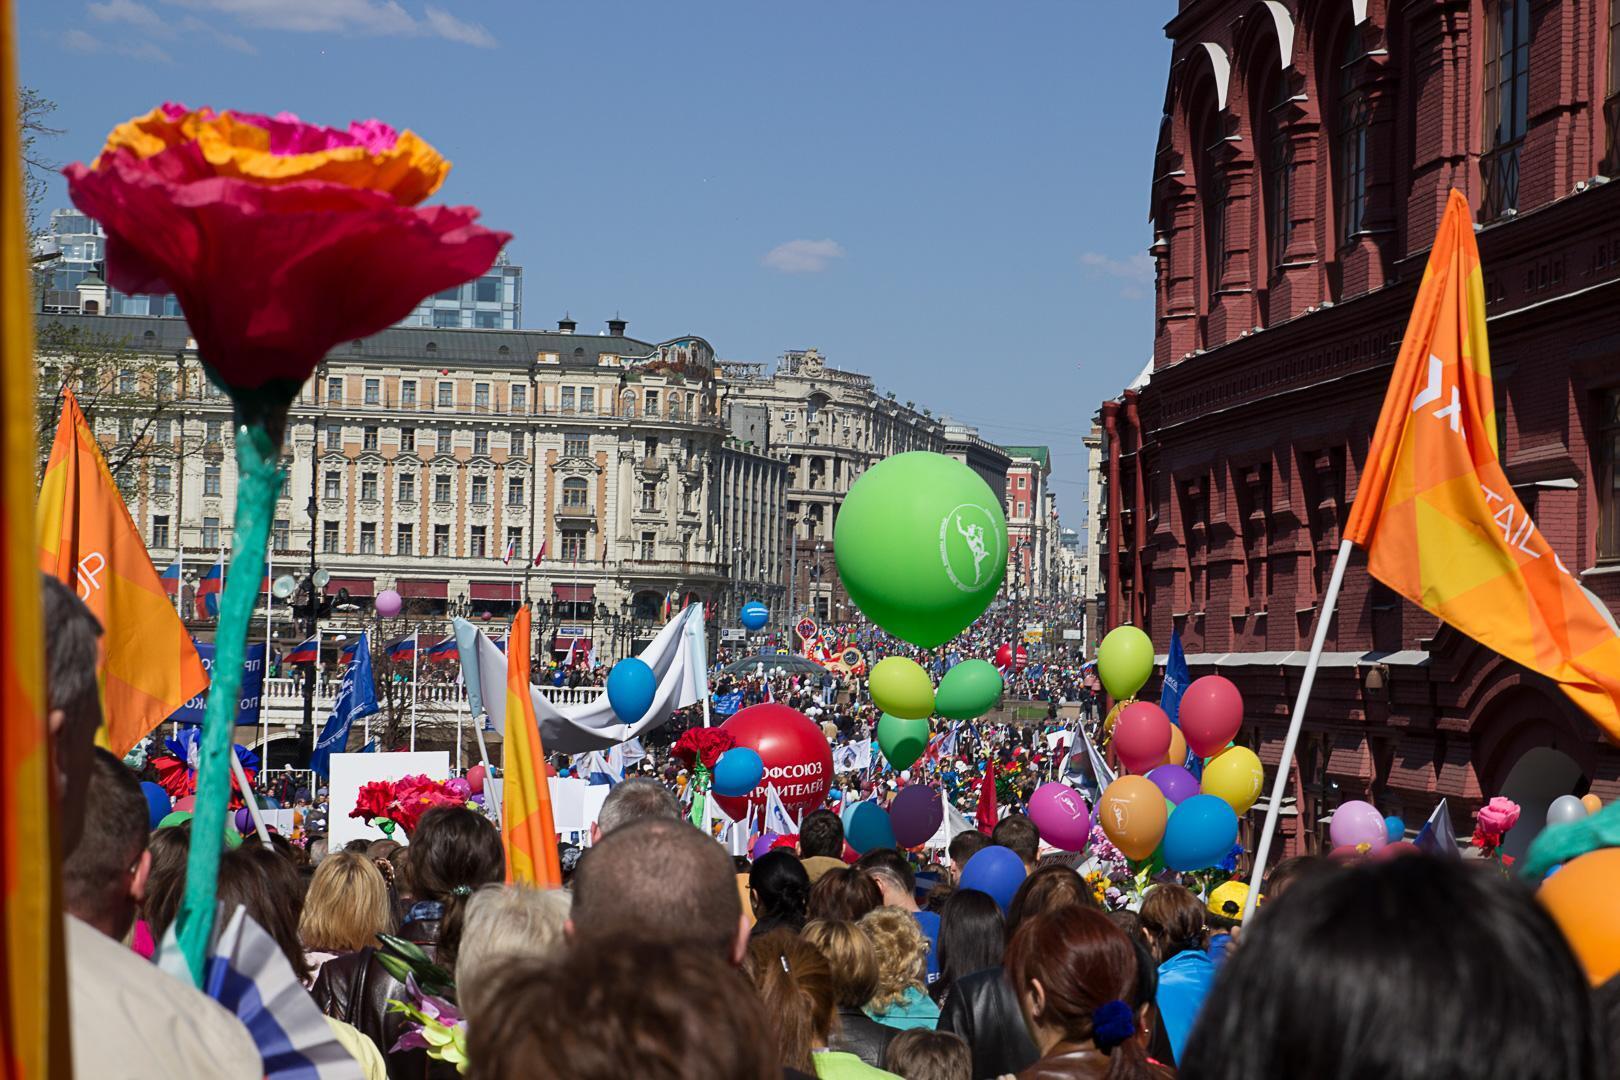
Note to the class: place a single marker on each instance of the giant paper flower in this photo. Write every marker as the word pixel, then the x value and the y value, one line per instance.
pixel 281 239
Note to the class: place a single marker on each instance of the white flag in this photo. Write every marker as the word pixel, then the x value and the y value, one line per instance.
pixel 777 819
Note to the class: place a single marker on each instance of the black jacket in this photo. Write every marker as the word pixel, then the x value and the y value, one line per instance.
pixel 862 1036
pixel 355 989
pixel 983 1009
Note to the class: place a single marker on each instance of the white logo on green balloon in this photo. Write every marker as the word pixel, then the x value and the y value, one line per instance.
pixel 965 537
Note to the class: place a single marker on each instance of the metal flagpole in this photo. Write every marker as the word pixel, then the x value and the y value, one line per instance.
pixel 247 797
pixel 461 700
pixel 179 572
pixel 414 653
pixel 264 717
pixel 1330 602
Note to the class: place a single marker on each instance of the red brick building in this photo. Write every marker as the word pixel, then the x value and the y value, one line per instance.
pixel 1303 161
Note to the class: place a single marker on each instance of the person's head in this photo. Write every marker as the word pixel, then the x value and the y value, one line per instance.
pixel 965 845
pixel 844 894
pixel 795 983
pixel 902 952
pixel 779 888
pixel 346 906
pixel 1075 974
pixel 663 880
pixel 166 881
pixel 1395 969
pixel 921 1054
pixel 268 886
pixel 894 877
pixel 1018 834
pixel 601 1011
pixel 505 923
pixel 1048 889
pixel 635 799
pixel 104 878
pixel 1288 871
pixel 850 954
pixel 72 699
pixel 972 936
pixel 1174 920
pixel 453 851
pixel 821 833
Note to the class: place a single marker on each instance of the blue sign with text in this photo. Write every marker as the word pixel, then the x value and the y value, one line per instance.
pixel 247 710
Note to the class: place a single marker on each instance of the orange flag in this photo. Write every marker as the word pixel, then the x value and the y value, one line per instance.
pixel 1437 515
pixel 526 823
pixel 34 1042
pixel 149 666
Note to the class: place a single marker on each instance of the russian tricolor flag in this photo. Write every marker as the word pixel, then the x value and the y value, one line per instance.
pixel 171 578
pixel 305 652
pixel 403 649
pixel 208 588
pixel 346 654
pixel 444 650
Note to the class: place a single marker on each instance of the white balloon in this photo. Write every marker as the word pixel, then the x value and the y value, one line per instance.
pixel 1564 809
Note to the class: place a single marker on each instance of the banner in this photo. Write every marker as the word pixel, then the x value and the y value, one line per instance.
pixel 726 704
pixel 247 711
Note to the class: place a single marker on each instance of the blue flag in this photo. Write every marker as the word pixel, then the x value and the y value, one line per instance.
pixel 247 709
pixel 1176 678
pixel 357 697
pixel 726 704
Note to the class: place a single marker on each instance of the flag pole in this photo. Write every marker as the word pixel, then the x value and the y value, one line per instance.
pixel 492 805
pixel 415 651
pixel 461 699
pixel 264 717
pixel 1296 720
pixel 248 799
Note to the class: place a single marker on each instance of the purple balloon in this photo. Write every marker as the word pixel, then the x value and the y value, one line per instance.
pixel 1176 782
pixel 1061 815
pixel 1357 822
pixel 915 815
pixel 244 820
pixel 763 844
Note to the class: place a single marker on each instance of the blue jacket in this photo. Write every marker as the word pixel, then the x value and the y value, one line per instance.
pixel 1184 981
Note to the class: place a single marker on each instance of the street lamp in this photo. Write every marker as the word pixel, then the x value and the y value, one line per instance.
pixel 309 605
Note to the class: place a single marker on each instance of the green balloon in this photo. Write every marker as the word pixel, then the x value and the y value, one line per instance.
pixel 968 690
pixel 902 687
pixel 902 741
pixel 921 546
pixel 173 818
pixel 1124 661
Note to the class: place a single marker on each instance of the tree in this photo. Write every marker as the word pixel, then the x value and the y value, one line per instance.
pixel 33 110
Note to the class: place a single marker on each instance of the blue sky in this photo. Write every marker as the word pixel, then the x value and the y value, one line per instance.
pixel 950 196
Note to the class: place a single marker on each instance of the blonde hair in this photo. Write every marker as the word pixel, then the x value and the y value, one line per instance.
pixel 346 906
pixel 505 923
pixel 849 951
pixel 901 952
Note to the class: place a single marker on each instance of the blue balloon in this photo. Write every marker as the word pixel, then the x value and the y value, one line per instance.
pixel 846 812
pixel 869 828
pixel 754 615
pixel 995 871
pixel 630 689
pixel 1396 829
pixel 738 772
pixel 157 803
pixel 1200 833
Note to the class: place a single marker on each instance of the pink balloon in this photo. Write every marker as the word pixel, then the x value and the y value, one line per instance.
pixel 1211 713
pixel 1353 826
pixel 475 779
pixel 187 803
pixel 1061 815
pixel 388 603
pixel 1142 736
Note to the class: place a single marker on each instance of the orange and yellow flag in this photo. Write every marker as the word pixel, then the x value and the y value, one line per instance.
pixel 34 1041
pixel 87 540
pixel 526 823
pixel 1437 515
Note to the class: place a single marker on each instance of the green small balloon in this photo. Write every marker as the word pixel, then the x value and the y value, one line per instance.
pixel 901 740
pixel 901 687
pixel 173 818
pixel 1124 661
pixel 968 690
pixel 921 546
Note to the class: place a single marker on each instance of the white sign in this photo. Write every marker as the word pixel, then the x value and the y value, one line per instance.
pixel 1072 635
pixel 574 806
pixel 351 772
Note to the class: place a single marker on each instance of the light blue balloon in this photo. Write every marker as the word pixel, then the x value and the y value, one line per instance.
pixel 738 772
pixel 754 615
pixel 1396 829
pixel 630 689
pixel 995 871
pixel 1200 833
pixel 869 828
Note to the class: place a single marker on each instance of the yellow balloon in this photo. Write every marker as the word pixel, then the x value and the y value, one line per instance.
pixel 1178 747
pixel 1592 803
pixel 900 687
pixel 1113 717
pixel 1234 775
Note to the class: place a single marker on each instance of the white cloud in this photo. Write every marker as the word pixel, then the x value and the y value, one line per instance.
pixel 131 13
pixel 384 18
pixel 82 41
pixel 441 23
pixel 1134 273
pixel 803 256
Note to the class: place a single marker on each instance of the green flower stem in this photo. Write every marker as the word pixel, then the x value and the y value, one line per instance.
pixel 258 463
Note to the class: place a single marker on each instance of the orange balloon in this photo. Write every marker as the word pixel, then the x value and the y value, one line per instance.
pixel 1132 814
pixel 1178 747
pixel 1580 898
pixel 1592 803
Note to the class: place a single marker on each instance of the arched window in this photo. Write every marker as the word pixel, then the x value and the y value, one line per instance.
pixel 1507 84
pixel 1212 188
pixel 575 492
pixel 1351 119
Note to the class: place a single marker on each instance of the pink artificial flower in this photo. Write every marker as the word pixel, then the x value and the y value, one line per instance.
pixel 1498 816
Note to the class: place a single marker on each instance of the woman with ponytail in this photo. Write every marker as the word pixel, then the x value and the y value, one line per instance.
pixel 1076 977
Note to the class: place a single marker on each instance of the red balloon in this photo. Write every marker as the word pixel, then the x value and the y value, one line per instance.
pixel 1004 657
pixel 1211 713
pixel 475 779
pixel 798 761
pixel 1142 736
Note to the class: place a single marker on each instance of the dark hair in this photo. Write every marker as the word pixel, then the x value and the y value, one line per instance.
pixel 1048 889
pixel 71 634
pixel 1174 920
pixel 972 937
pixel 96 874
pixel 1083 962
pixel 166 880
pixel 453 851
pixel 892 865
pixel 821 833
pixel 269 887
pixel 601 1011
pixel 795 984
pixel 1395 969
pixel 1288 871
pixel 1606 1007
pixel 922 1054
pixel 658 879
pixel 966 844
pixel 780 881
pixel 843 894
pixel 1019 834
